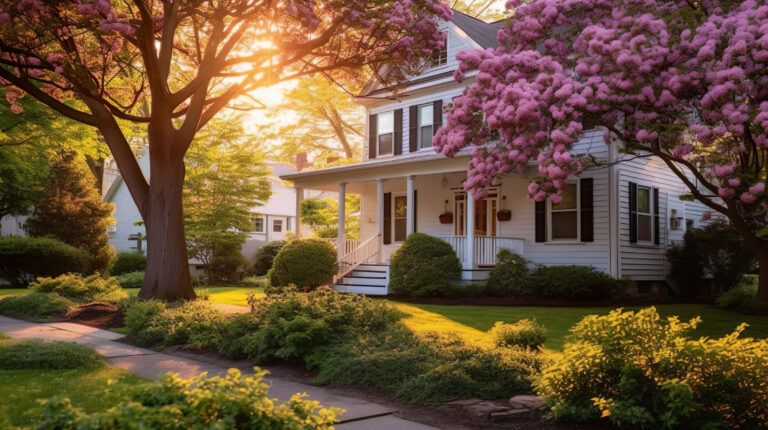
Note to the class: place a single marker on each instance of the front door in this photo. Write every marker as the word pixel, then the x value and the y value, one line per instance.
pixel 485 214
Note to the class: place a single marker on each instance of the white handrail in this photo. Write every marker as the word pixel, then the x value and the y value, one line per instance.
pixel 358 256
pixel 484 247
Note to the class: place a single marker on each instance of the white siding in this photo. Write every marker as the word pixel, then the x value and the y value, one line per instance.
pixel 648 262
pixel 13 225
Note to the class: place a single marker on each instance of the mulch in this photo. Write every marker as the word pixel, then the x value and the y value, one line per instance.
pixel 98 315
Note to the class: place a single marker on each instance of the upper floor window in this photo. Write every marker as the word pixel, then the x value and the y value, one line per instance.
pixel 426 125
pixel 386 132
pixel 277 225
pixel 440 58
pixel 565 215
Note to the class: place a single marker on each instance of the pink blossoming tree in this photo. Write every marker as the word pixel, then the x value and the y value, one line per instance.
pixel 683 80
pixel 171 65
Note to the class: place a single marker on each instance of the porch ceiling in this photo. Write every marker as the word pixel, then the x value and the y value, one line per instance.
pixel 386 168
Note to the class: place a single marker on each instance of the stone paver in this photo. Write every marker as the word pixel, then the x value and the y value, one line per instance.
pixel 360 414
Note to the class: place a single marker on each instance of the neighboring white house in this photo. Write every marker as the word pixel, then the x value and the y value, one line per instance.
pixel 272 221
pixel 619 218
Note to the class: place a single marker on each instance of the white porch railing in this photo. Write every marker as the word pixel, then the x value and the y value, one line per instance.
pixel 349 244
pixel 484 248
pixel 359 255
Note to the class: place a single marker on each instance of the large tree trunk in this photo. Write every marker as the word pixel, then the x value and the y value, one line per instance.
pixel 167 276
pixel 762 282
pixel 759 247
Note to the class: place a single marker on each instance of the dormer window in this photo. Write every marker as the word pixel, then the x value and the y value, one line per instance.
pixel 386 132
pixel 440 58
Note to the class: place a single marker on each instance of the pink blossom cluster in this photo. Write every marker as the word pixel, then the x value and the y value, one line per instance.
pixel 657 75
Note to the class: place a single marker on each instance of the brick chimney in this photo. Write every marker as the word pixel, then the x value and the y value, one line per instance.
pixel 301 161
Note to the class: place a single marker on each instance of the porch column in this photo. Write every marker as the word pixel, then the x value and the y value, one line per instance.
pixel 299 198
pixel 409 202
pixel 469 251
pixel 342 200
pixel 380 217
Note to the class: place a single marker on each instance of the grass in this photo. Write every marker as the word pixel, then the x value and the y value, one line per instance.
pixel 13 291
pixel 473 322
pixel 227 295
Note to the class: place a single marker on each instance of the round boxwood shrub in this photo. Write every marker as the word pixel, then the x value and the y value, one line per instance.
pixel 423 266
pixel 265 256
pixel 510 276
pixel 307 263
pixel 22 259
pixel 128 262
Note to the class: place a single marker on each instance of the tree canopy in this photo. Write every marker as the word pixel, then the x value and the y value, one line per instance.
pixel 680 80
pixel 173 65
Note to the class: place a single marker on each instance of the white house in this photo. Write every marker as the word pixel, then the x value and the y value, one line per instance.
pixel 272 221
pixel 618 218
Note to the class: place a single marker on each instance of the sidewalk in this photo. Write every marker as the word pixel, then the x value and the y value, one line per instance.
pixel 361 414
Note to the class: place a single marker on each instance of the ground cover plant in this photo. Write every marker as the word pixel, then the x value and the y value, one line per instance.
pixel 36 354
pixel 638 370
pixel 338 335
pixel 35 306
pixel 80 289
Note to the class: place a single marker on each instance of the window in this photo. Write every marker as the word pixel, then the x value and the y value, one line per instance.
pixel 386 132
pixel 111 229
pixel 644 215
pixel 565 215
pixel 258 224
pixel 440 58
pixel 400 217
pixel 426 118
pixel 277 225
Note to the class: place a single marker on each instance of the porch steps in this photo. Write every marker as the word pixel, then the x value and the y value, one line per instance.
pixel 369 279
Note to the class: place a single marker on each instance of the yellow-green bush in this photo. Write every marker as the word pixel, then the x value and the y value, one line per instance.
pixel 525 332
pixel 82 289
pixel 640 371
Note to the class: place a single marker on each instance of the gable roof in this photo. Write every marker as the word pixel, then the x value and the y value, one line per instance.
pixel 480 31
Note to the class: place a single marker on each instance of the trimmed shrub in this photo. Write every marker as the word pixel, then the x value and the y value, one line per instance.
pixel 637 370
pixel 743 297
pixel 525 333
pixel 131 279
pixel 22 259
pixel 510 276
pixel 426 367
pixel 35 306
pixel 423 266
pixel 571 282
pixel 714 251
pixel 81 289
pixel 307 263
pixel 128 262
pixel 231 402
pixel 36 354
pixel 265 256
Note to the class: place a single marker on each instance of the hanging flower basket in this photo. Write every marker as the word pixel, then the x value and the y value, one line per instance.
pixel 446 218
pixel 504 215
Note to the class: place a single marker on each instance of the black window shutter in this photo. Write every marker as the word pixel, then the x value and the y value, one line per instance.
pixel 587 210
pixel 387 216
pixel 415 207
pixel 413 128
pixel 398 132
pixel 632 212
pixel 372 135
pixel 437 116
pixel 541 221
pixel 656 226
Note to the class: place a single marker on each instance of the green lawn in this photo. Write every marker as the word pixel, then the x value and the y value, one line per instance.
pixel 90 389
pixel 473 321
pixel 12 291
pixel 220 294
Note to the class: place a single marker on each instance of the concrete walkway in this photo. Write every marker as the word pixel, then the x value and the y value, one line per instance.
pixel 360 414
